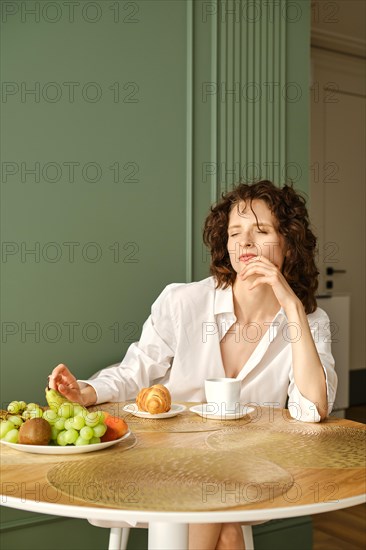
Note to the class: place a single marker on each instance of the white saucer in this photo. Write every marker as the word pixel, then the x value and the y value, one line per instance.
pixel 174 410
pixel 210 410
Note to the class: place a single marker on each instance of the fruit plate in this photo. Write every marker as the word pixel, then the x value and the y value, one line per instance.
pixel 66 450
pixel 174 410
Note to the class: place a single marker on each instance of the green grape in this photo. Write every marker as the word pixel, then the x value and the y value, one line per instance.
pixel 87 432
pixel 71 436
pixel 77 422
pixel 22 405
pixel 32 406
pixel 12 436
pixel 16 420
pixel 36 413
pixel 99 430
pixel 68 423
pixel 50 416
pixel 5 427
pixel 81 441
pixel 66 410
pixel 94 440
pixel 79 410
pixel 14 407
pixel 61 438
pixel 93 418
pixel 26 414
pixel 60 423
pixel 54 433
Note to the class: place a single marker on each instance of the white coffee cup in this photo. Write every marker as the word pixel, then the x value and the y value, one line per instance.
pixel 223 394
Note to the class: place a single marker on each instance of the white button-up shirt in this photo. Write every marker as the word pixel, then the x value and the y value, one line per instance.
pixel 180 347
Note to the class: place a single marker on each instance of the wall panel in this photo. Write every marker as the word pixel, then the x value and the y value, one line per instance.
pixel 251 99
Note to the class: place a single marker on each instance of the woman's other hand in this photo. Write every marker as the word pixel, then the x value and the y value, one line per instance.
pixel 62 380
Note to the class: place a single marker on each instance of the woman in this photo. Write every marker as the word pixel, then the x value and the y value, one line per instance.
pixel 254 319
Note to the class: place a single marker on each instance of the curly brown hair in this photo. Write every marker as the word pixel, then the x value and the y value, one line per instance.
pixel 288 208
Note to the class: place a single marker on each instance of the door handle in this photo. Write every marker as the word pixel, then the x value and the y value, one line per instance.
pixel 331 271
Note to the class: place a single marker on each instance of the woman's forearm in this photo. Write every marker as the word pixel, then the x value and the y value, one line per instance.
pixel 308 371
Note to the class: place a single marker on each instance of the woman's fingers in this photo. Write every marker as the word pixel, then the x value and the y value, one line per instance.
pixel 61 376
pixel 62 380
pixel 60 370
pixel 260 281
pixel 51 383
pixel 260 260
pixel 73 394
pixel 256 269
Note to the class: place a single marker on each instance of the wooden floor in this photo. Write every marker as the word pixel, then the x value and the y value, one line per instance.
pixel 342 529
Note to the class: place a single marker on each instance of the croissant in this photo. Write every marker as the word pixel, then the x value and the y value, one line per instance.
pixel 154 400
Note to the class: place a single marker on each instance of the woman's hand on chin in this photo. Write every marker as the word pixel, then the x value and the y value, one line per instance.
pixel 266 272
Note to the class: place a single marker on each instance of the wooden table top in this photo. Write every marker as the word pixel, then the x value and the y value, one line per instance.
pixel 264 466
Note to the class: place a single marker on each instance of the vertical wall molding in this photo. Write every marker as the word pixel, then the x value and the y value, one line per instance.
pixel 246 60
pixel 189 144
pixel 214 107
pixel 251 98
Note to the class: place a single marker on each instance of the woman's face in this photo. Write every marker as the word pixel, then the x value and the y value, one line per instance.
pixel 248 237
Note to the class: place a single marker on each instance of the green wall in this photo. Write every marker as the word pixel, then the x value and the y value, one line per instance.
pixel 116 136
pixel 103 249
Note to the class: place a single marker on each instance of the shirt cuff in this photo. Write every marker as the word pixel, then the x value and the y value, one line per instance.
pixel 301 408
pixel 102 389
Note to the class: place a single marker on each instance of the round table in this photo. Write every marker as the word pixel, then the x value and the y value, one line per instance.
pixel 190 469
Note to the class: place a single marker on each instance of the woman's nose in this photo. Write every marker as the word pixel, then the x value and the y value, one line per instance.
pixel 247 242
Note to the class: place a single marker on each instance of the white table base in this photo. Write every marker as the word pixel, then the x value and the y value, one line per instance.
pixel 118 538
pixel 168 536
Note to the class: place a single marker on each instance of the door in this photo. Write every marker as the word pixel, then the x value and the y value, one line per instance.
pixel 337 189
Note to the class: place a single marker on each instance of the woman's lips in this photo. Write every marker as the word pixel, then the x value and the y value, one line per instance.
pixel 246 257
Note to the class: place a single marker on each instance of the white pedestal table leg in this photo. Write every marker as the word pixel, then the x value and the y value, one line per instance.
pixel 124 538
pixel 115 538
pixel 168 536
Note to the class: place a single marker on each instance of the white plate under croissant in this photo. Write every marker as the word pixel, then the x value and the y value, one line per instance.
pixel 174 410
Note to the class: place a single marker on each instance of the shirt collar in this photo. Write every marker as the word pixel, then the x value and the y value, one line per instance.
pixel 224 303
pixel 223 300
